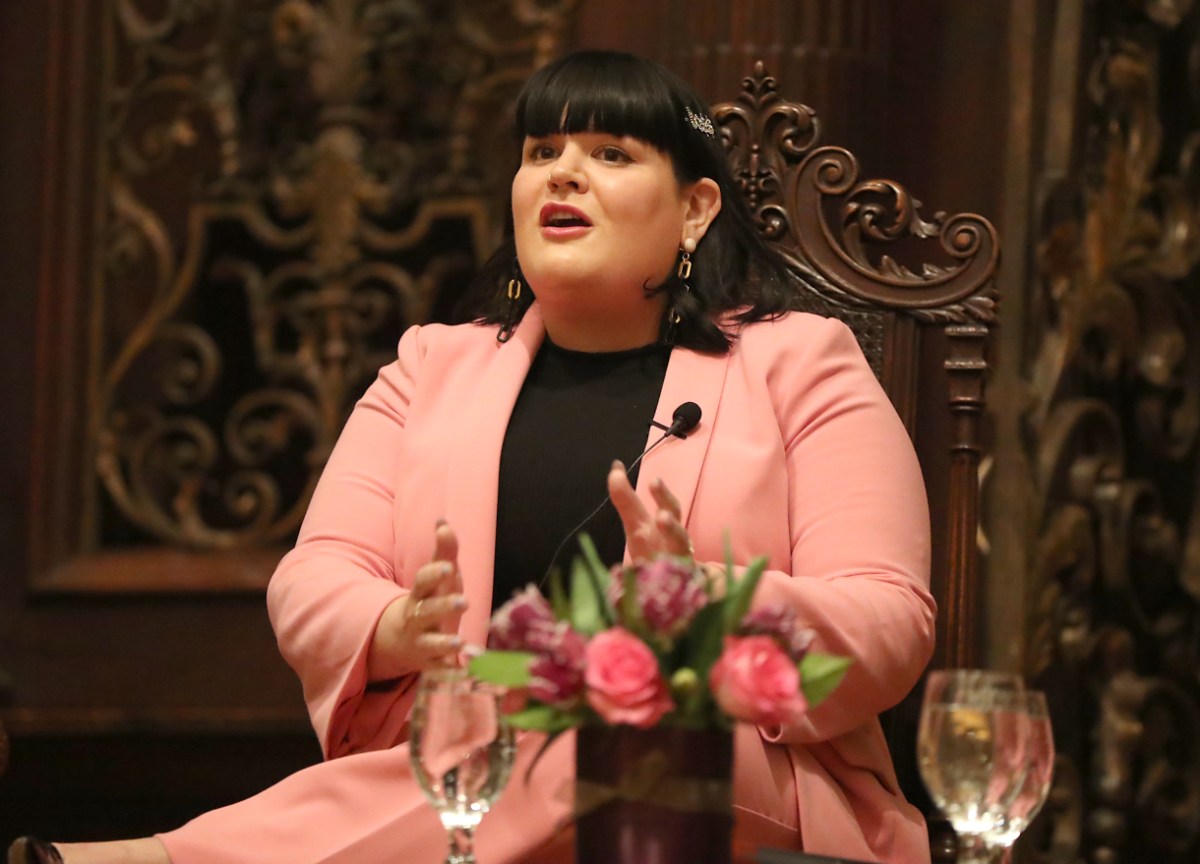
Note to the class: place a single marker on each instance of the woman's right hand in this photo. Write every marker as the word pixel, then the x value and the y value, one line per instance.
pixel 419 630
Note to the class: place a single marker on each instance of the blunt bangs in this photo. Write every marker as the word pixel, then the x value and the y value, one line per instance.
pixel 600 91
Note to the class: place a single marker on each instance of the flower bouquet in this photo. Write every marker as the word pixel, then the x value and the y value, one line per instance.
pixel 652 662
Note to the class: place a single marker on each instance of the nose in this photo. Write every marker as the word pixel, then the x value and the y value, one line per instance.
pixel 566 172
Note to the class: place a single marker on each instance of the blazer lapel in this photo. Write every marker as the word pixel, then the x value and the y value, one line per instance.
pixel 474 474
pixel 691 377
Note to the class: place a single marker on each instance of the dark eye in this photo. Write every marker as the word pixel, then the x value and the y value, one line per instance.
pixel 539 150
pixel 612 153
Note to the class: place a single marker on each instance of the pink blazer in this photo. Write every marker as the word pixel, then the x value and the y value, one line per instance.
pixel 798 456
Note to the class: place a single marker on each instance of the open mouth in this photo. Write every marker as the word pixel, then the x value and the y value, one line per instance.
pixel 563 216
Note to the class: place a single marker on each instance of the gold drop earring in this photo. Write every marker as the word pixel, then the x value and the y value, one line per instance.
pixel 683 271
pixel 512 313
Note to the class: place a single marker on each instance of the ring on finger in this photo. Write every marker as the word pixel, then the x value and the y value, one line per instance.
pixel 417 608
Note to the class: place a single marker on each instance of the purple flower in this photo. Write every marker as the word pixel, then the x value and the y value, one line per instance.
pixel 669 593
pixel 556 676
pixel 778 622
pixel 527 623
pixel 518 621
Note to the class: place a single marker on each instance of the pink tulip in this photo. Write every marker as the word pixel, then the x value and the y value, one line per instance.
pixel 623 680
pixel 556 676
pixel 779 622
pixel 756 681
pixel 669 594
pixel 513 622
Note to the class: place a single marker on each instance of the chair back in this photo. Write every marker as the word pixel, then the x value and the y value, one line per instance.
pixel 920 297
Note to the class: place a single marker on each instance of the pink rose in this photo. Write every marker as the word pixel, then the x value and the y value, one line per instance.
pixel 513 622
pixel 669 594
pixel 756 681
pixel 624 683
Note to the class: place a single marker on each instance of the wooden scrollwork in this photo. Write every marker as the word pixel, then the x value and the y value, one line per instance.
pixel 829 226
pixel 1112 428
pixel 287 186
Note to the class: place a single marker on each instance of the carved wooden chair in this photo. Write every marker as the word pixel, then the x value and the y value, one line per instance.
pixel 923 327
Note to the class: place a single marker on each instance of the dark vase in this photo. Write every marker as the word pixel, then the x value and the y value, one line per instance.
pixel 653 796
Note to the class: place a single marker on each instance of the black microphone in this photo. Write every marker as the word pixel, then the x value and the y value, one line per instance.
pixel 684 420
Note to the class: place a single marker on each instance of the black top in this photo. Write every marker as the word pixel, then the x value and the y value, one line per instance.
pixel 576 413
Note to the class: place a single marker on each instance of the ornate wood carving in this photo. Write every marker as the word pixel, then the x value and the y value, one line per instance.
pixel 1112 430
pixel 280 188
pixel 829 226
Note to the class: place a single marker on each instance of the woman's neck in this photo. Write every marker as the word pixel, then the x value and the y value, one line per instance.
pixel 595 331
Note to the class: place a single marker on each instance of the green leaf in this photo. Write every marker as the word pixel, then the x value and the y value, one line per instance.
pixel 506 668
pixel 559 601
pixel 599 574
pixel 631 613
pixel 741 592
pixel 541 718
pixel 820 674
pixel 585 602
pixel 703 645
pixel 590 612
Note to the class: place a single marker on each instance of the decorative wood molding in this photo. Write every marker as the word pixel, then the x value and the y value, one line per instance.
pixel 252 202
pixel 830 227
pixel 1112 431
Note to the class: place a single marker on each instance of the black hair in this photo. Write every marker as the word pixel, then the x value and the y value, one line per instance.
pixel 622 94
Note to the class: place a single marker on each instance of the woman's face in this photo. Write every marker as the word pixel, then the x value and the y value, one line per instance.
pixel 598 217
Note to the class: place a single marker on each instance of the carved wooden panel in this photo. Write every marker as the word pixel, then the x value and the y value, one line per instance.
pixel 254 199
pixel 1111 440
pixel 847 238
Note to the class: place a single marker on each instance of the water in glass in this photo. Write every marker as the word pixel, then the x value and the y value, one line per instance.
pixel 462 752
pixel 1036 754
pixel 967 744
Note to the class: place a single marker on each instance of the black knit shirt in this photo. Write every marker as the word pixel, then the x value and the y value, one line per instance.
pixel 576 413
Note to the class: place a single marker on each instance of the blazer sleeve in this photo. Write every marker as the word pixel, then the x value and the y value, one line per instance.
pixel 327 594
pixel 859 530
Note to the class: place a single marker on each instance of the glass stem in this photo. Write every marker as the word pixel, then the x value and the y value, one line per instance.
pixel 462 846
pixel 974 849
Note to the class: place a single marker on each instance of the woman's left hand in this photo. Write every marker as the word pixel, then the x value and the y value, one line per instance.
pixel 648 534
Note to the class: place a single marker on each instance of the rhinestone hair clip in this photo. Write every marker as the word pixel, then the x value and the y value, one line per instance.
pixel 700 122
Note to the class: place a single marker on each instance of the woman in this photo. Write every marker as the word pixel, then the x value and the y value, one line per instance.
pixel 641 284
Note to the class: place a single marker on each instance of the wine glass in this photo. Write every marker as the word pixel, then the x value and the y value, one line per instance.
pixel 1037 756
pixel 968 746
pixel 462 752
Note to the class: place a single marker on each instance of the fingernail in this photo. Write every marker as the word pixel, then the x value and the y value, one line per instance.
pixel 440 522
pixel 617 465
pixel 473 650
pixel 460 603
pixel 445 569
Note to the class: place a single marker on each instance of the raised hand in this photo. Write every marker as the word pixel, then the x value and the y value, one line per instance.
pixel 419 630
pixel 648 534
